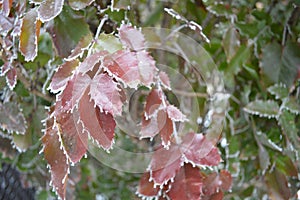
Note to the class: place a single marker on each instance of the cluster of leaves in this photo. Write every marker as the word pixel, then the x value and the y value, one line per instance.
pixel 254 44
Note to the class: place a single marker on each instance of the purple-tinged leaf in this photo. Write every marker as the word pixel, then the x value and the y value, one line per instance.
pixel 49 9
pixel 147 69
pixel 99 125
pixel 56 159
pixel 165 126
pixel 153 102
pixel 6 5
pixel 5 68
pixel 6 24
pixel 124 65
pixel 105 93
pixel 62 75
pixel 11 78
pixel 73 139
pixel 131 37
pixel 187 184
pixel 79 4
pixel 12 118
pixel 146 188
pixel 73 91
pixel 89 63
pixel 175 114
pixel 164 79
pixel 199 151
pixel 165 164
pixel 30 29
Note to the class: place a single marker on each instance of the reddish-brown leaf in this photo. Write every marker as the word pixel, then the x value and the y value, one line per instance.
pixel 165 164
pixel 175 114
pixel 165 126
pixel 89 63
pixel 100 125
pixel 74 141
pixel 146 188
pixel 79 4
pixel 153 102
pixel 216 182
pixel 187 184
pixel 123 65
pixel 73 91
pixel 29 35
pixel 131 37
pixel 199 151
pixel 49 9
pixel 56 159
pixel 277 185
pixel 62 75
pixel 105 93
pixel 6 23
pixel 149 128
pixel 11 78
pixel 146 67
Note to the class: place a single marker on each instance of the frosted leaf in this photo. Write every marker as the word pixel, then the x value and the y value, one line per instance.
pixel 261 108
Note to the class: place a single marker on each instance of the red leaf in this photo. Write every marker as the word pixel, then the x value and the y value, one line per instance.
pixel 62 75
pixel 165 164
pixel 149 128
pixel 105 93
pixel 100 126
pixel 165 126
pixel 89 63
pixel 164 79
pixel 215 182
pixel 49 9
pixel 56 159
pixel 216 196
pixel 11 78
pixel 146 188
pixel 131 37
pixel 82 45
pixel 146 68
pixel 123 65
pixel 175 114
pixel 187 184
pixel 74 90
pixel 29 35
pixel 73 139
pixel 153 102
pixel 199 151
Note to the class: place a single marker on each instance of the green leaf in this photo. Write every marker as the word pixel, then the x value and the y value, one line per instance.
pixel 67 30
pixel 263 139
pixel 236 63
pixel 280 63
pixel 108 42
pixel 269 109
pixel 279 90
pixel 231 42
pixel 277 185
pixel 292 105
pixel 288 126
